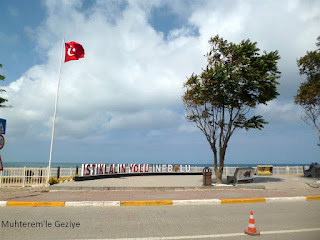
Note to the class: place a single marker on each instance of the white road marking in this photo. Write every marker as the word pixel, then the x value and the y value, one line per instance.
pixel 291 231
pixel 214 235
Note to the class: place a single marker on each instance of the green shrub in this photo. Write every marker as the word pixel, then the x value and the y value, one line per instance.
pixel 53 180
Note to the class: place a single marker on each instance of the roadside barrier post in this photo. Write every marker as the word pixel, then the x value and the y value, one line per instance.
pixel 40 176
pixel 24 177
pixel 58 172
pixel 287 170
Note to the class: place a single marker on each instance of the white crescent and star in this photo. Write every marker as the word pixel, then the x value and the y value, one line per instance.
pixel 69 51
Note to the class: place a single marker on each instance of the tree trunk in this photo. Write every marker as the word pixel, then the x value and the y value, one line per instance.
pixel 218 173
pixel 215 157
pixel 222 152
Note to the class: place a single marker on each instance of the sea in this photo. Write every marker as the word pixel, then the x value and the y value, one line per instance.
pixel 74 165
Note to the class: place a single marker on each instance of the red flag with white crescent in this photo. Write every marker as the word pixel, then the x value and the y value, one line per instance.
pixel 74 51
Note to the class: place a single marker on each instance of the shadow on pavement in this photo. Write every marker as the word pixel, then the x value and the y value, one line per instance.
pixel 267 179
pixel 258 179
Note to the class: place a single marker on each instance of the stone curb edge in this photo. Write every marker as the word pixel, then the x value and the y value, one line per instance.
pixel 64 188
pixel 156 202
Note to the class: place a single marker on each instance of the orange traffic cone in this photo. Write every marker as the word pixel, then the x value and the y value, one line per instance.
pixel 252 226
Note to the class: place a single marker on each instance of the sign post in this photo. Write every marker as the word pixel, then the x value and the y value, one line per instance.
pixel 1 166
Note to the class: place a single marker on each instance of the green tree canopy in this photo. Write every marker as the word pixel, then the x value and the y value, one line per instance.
pixel 308 95
pixel 236 79
pixel 2 100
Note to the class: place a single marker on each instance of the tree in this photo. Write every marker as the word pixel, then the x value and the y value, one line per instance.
pixel 236 79
pixel 2 100
pixel 308 95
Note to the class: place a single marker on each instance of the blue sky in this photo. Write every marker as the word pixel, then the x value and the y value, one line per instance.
pixel 16 18
pixel 122 102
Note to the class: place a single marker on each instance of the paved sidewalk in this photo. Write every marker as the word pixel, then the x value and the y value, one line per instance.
pixel 168 182
pixel 171 182
pixel 146 188
pixel 176 182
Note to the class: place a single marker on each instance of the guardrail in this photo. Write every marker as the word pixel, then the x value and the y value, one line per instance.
pixel 29 177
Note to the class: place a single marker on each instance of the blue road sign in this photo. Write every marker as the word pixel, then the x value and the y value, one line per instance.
pixel 3 126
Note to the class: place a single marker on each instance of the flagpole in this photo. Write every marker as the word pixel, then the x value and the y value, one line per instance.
pixel 54 115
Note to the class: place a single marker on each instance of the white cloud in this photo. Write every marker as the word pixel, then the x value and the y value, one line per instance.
pixel 188 128
pixel 141 120
pixel 131 77
pixel 284 112
pixel 129 73
pixel 308 10
pixel 221 18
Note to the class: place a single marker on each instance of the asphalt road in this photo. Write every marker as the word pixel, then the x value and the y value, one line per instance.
pixel 294 220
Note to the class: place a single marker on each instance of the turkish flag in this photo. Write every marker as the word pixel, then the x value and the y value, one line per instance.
pixel 74 51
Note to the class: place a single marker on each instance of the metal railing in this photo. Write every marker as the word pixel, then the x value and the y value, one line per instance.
pixel 23 177
pixel 29 177
pixel 287 170
pixel 64 172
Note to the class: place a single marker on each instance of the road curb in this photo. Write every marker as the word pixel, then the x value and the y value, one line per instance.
pixel 92 203
pixel 251 200
pixel 197 202
pixel 58 188
pixel 54 188
pixel 310 198
pixel 155 202
pixel 144 203
pixel 285 199
pixel 35 204
pixel 79 204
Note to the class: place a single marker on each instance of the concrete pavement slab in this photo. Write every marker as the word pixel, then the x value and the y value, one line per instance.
pixel 164 188
pixel 183 182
